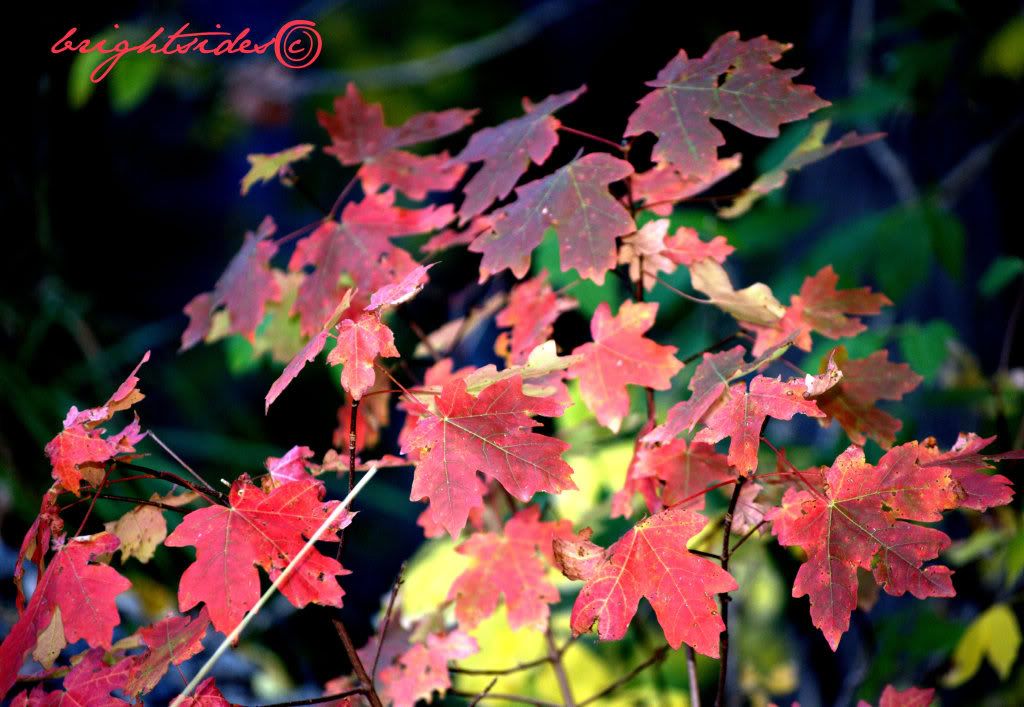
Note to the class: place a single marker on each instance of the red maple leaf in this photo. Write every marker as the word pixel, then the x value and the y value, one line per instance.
pixel 531 312
pixel 206 695
pixel 85 595
pixel 620 355
pixel 820 307
pixel 507 150
pixel 82 443
pixel 489 433
pixel 754 96
pixel 686 470
pixel 651 560
pixel 293 466
pixel 423 669
pixel 911 697
pixel 413 175
pixel 575 201
pixel 741 414
pixel 243 290
pixel 400 291
pixel 865 381
pixel 661 187
pixel 854 515
pixel 359 343
pixel 88 684
pixel 171 641
pixel 968 465
pixel 686 248
pixel 513 563
pixel 358 131
pixel 257 529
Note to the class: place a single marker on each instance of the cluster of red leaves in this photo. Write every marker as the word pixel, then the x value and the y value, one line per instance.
pixel 473 435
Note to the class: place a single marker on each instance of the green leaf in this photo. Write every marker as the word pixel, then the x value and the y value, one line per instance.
pixel 926 346
pixel 132 80
pixel 994 635
pixel 1003 270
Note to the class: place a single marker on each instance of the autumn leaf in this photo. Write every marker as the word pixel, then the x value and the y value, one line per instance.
pixel 293 466
pixel 358 132
pixel 741 414
pixel 89 682
pixel 140 530
pixel 507 150
pixel 400 291
pixel 651 560
pixel 489 433
pixel 820 308
pixel 685 247
pixel 686 471
pixel 171 641
pixel 206 695
pixel 968 465
pixel 661 187
pixel 423 669
pixel 242 291
pixel 754 96
pixel 413 175
pixel 865 381
pixel 575 201
pixel 911 697
pixel 513 563
pixel 811 149
pixel 265 167
pixel 620 355
pixel 754 304
pixel 358 345
pixel 82 591
pixel 856 515
pixel 257 529
pixel 530 312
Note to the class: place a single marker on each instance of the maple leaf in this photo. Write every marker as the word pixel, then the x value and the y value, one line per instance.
pixel 140 531
pixel 575 201
pixel 264 167
pixel 434 378
pixel 242 291
pixel 866 381
pixel 82 592
pixel 811 149
pixel 293 466
pixel 513 563
pixel 686 470
pixel 741 414
pixel 967 465
pixel 650 560
pixel 507 150
pixel 754 96
pixel 81 443
pixel 489 433
pixel 36 543
pixel 661 187
pixel 358 131
pixel 685 247
pixel 206 695
pixel 88 684
pixel 413 175
pixel 619 355
pixel 401 291
pixel 820 307
pixel 646 248
pixel 911 697
pixel 423 669
pixel 358 344
pixel 855 516
pixel 257 529
pixel 754 304
pixel 531 312
pixel 171 641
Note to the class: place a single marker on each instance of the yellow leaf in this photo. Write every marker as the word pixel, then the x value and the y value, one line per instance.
pixel 994 635
pixel 755 304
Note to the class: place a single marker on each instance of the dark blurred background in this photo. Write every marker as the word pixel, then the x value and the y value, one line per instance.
pixel 121 202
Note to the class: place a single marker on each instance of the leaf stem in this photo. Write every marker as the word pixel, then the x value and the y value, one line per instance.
pixel 596 138
pixel 357 663
pixel 387 621
pixel 724 598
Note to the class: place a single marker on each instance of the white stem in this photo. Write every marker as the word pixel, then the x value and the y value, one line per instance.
pixel 233 636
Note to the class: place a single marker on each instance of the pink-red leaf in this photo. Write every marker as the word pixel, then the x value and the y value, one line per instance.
pixel 171 641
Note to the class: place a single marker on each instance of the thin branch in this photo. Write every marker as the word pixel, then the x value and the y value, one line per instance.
pixel 177 480
pixel 724 598
pixel 711 347
pixel 556 663
pixel 691 676
pixel 658 656
pixel 92 503
pixel 341 197
pixel 424 339
pixel 275 585
pixel 518 699
pixel 747 536
pixel 142 502
pixel 1011 328
pixel 482 695
pixel 701 553
pixel 682 294
pixel 357 663
pixel 318 700
pixel 181 462
pixel 596 138
pixel 387 621
pixel 518 667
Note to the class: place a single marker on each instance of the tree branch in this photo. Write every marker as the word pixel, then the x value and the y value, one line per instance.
pixel 658 656
pixel 357 664
pixel 724 598
pixel 556 663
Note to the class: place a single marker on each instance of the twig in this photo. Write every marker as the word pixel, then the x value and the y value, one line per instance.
pixel 658 656
pixel 178 459
pixel 425 339
pixel 747 536
pixel 556 663
pixel 357 663
pixel 519 699
pixel 502 671
pixel 482 695
pixel 341 197
pixel 709 555
pixel 318 700
pixel 387 621
pixel 177 480
pixel 711 347
pixel 596 138
pixel 691 675
pixel 92 503
pixel 724 598
pixel 142 502
pixel 275 585
pixel 685 295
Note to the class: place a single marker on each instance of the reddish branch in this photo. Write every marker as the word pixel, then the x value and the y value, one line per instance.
pixel 357 664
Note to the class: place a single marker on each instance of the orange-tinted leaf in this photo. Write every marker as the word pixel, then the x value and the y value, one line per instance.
pixel 856 516
pixel 968 465
pixel 257 529
pixel 753 95
pixel 513 563
pixel 507 150
pixel 573 200
pixel 531 312
pixel 489 433
pixel 620 355
pixel 651 560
